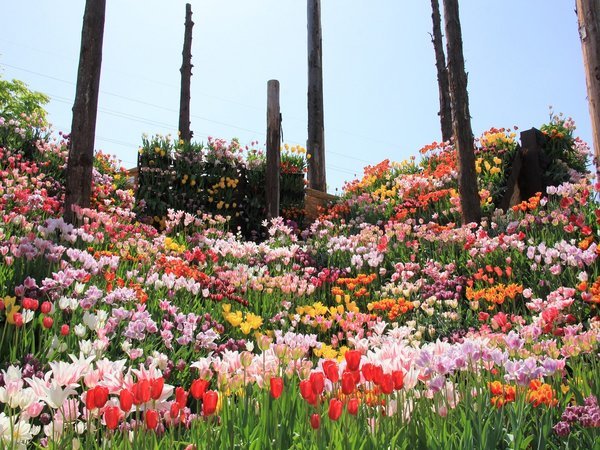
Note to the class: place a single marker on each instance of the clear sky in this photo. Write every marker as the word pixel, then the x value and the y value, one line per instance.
pixel 380 88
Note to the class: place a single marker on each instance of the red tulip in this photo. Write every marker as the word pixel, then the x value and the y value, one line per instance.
pixel 125 399
pixel 317 379
pixel 348 383
pixel 315 421
pixel 174 410
pixel 398 377
pixel 198 388
pixel 352 359
pixel 335 408
pixel 331 369
pixel 151 419
pixel 368 371
pixel 46 307
pixel 181 397
pixel 18 318
pixel 209 402
pixel 306 390
pixel 142 392
pixel 387 384
pixel 157 387
pixel 64 330
pixel 47 322
pixel 353 406
pixel 111 417
pixel 377 374
pixel 100 396
pixel 90 399
pixel 276 386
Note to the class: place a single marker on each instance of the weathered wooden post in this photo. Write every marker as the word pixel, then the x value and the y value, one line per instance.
pixel 78 187
pixel 316 128
pixel 527 170
pixel 273 149
pixel 186 78
pixel 588 17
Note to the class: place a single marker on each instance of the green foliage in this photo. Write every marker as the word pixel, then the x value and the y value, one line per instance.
pixel 17 101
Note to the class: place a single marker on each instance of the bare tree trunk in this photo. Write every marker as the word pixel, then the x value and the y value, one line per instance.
pixel 186 78
pixel 85 108
pixel 442 72
pixel 316 128
pixel 461 118
pixel 588 17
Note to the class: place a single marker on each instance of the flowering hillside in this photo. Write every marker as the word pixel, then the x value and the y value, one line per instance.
pixel 385 324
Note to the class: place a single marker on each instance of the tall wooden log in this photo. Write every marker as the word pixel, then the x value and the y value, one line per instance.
pixel 186 78
pixel 272 189
pixel 85 108
pixel 588 18
pixel 445 112
pixel 461 118
pixel 316 127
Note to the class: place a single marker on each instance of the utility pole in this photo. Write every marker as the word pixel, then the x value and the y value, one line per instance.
pixel 316 127
pixel 78 187
pixel 186 78
pixel 461 117
pixel 588 18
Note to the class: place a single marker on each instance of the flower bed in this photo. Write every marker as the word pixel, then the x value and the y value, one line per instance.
pixel 383 325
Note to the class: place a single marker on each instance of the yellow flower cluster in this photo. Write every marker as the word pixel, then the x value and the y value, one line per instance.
pixel 236 319
pixel 170 244
pixel 328 352
pixel 294 149
pixel 319 309
pixel 10 309
pixel 186 177
pixel 492 169
pixel 160 151
pixel 497 138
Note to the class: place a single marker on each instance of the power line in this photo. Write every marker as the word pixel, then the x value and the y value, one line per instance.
pixel 195 116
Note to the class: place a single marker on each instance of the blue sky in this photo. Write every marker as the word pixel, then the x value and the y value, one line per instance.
pixel 380 87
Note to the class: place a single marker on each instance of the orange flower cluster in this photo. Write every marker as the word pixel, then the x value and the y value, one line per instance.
pixel 339 210
pixel 496 295
pixel 541 394
pixel 360 281
pixel 180 268
pixel 372 173
pixel 586 242
pixel 595 291
pixel 112 279
pixel 528 205
pixel 97 254
pixel 501 393
pixel 393 307
pixel 487 274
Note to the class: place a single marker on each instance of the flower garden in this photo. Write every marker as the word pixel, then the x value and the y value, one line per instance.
pixel 384 324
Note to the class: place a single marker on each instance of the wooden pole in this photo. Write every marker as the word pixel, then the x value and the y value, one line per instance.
pixel 186 78
pixel 273 149
pixel 316 127
pixel 461 118
pixel 442 72
pixel 85 108
pixel 588 18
